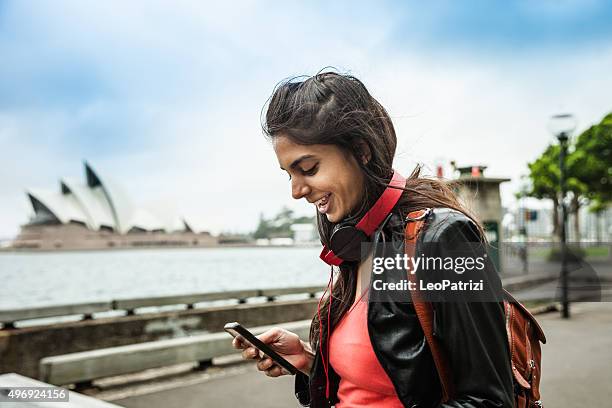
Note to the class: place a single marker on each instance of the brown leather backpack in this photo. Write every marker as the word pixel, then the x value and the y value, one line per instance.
pixel 524 335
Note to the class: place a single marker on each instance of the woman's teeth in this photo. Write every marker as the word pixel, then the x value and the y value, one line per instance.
pixel 323 204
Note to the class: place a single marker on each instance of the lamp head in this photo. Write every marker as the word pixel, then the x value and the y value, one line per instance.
pixel 562 126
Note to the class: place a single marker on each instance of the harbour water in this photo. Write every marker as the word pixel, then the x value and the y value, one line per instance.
pixel 51 278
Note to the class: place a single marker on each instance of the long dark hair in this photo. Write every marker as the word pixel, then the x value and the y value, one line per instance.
pixel 337 109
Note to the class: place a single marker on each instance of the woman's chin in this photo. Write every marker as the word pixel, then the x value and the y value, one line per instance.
pixel 333 217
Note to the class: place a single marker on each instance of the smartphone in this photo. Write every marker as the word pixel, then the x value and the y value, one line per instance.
pixel 235 329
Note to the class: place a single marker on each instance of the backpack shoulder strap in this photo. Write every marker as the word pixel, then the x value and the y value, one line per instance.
pixel 424 310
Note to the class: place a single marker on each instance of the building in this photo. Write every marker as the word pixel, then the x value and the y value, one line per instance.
pixel 305 234
pixel 533 224
pixel 481 196
pixel 538 224
pixel 98 214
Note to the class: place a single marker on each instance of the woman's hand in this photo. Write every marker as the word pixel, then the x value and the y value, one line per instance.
pixel 285 343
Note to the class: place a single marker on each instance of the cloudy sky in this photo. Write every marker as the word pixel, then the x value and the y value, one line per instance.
pixel 166 96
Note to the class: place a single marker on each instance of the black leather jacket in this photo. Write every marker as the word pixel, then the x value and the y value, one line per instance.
pixel 473 334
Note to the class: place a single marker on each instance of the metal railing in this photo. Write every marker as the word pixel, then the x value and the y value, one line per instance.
pixel 8 317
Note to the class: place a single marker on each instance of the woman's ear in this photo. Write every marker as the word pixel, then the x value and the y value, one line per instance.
pixel 365 154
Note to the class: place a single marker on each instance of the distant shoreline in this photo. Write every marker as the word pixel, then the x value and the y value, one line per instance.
pixel 148 248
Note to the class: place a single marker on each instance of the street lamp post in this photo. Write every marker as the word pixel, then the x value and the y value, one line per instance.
pixel 523 214
pixel 562 126
pixel 564 278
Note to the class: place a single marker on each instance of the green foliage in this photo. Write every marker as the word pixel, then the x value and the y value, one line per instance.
pixel 544 174
pixel 593 162
pixel 588 169
pixel 588 172
pixel 279 225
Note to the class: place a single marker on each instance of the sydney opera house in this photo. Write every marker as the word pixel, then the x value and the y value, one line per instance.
pixel 98 214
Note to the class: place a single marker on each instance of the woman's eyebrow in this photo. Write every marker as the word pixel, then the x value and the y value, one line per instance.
pixel 299 160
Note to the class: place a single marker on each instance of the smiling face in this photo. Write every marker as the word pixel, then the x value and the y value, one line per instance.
pixel 324 175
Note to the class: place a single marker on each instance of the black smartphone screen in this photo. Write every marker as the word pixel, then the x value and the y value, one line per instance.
pixel 235 329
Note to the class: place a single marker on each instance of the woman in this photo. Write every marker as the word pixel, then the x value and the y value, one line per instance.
pixel 337 144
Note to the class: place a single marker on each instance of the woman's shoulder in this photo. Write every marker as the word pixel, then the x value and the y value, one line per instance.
pixel 447 224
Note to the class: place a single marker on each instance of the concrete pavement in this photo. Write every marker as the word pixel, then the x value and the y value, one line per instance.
pixel 577 360
pixel 244 387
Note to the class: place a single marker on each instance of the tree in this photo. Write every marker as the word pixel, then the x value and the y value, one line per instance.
pixel 588 172
pixel 263 228
pixel 593 163
pixel 279 225
pixel 544 174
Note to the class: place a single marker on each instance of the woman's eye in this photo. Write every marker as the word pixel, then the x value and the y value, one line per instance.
pixel 311 171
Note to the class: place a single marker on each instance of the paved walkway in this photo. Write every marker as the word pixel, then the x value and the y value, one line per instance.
pixel 245 387
pixel 577 364
pixel 577 360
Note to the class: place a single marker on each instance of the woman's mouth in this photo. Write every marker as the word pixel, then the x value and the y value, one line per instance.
pixel 322 204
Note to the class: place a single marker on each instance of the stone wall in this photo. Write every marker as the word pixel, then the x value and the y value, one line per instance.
pixel 76 236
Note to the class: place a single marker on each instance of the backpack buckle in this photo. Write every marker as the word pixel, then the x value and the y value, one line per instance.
pixel 421 215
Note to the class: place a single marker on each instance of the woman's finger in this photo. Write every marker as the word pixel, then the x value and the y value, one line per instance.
pixel 250 353
pixel 271 335
pixel 274 371
pixel 236 343
pixel 265 364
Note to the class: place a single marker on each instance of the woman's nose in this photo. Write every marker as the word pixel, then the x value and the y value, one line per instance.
pixel 299 189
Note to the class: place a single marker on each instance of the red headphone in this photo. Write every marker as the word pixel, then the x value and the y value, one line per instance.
pixel 345 246
pixel 346 238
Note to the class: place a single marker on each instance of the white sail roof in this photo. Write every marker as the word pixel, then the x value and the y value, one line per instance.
pixel 64 208
pixel 101 202
pixel 93 203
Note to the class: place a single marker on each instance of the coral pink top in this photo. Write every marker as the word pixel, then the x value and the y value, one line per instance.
pixel 363 381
